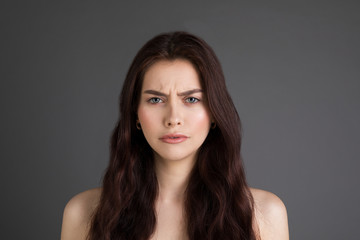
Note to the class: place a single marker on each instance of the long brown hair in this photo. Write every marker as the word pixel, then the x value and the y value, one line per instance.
pixel 218 203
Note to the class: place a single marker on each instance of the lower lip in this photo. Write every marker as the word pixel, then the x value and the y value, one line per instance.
pixel 173 140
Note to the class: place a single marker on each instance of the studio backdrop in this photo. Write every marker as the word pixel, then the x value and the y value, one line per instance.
pixel 292 68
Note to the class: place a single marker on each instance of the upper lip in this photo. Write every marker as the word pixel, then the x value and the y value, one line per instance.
pixel 174 135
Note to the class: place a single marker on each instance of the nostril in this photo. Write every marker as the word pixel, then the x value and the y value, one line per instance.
pixel 173 123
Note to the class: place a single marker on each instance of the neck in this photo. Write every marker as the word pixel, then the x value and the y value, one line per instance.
pixel 173 177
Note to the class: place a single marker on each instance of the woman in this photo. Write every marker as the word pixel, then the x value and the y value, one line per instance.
pixel 175 169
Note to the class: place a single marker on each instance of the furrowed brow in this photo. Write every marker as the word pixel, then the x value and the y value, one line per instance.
pixel 186 93
pixel 153 92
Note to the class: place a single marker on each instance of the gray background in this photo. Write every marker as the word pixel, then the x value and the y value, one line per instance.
pixel 292 68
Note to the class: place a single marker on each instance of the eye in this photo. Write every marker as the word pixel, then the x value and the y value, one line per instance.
pixel 191 100
pixel 154 100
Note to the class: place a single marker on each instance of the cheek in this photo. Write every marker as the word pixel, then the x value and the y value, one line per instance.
pixel 146 118
pixel 200 120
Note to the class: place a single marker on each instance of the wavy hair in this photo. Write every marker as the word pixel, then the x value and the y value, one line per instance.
pixel 218 203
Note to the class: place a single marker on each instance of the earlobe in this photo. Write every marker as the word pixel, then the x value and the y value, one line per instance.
pixel 138 126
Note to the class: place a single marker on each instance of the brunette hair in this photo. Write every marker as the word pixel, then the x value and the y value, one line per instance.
pixel 218 203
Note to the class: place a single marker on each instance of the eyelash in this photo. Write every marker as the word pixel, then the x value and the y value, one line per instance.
pixel 195 99
pixel 155 100
pixel 151 100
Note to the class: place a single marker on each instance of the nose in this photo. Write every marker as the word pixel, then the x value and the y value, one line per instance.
pixel 174 116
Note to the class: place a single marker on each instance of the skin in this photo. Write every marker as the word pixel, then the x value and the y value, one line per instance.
pixel 172 102
pixel 166 106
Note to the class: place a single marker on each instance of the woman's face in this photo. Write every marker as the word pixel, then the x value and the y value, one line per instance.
pixel 172 111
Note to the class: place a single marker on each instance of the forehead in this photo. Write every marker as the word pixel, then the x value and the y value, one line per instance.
pixel 166 75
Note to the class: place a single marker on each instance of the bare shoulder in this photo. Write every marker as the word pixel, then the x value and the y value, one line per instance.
pixel 77 214
pixel 270 215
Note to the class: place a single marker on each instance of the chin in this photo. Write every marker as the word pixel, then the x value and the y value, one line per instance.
pixel 175 157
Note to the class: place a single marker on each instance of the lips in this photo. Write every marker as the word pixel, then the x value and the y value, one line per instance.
pixel 173 138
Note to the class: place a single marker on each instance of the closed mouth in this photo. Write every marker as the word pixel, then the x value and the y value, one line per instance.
pixel 174 138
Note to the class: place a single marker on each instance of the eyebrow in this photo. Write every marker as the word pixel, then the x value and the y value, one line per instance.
pixel 189 92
